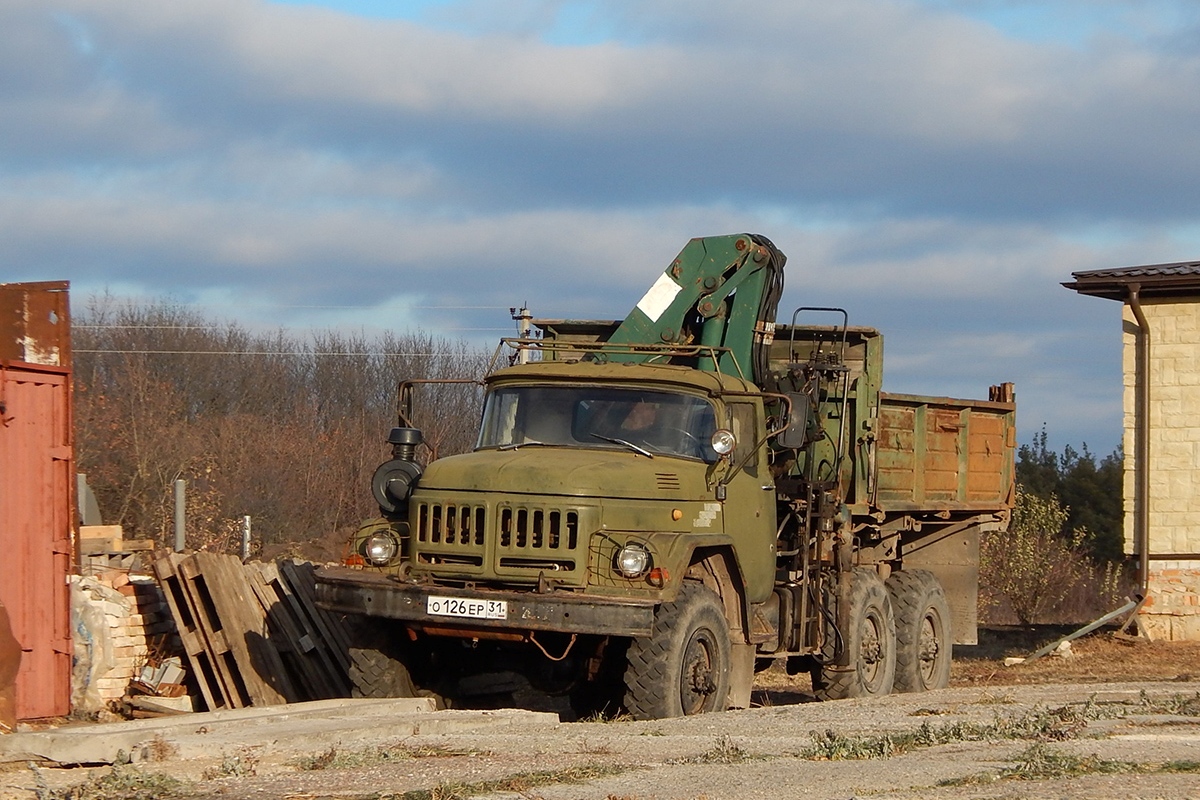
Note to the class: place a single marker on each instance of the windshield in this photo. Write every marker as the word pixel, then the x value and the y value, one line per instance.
pixel 647 422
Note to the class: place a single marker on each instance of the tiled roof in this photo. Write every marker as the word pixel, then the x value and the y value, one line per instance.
pixel 1152 270
pixel 1179 278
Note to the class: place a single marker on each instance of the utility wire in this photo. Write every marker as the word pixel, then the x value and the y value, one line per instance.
pixel 271 353
pixel 210 328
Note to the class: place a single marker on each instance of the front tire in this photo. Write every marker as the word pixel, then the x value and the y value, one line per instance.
pixel 870 641
pixel 923 640
pixel 375 673
pixel 683 667
pixel 380 662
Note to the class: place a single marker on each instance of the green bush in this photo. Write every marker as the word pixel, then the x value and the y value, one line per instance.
pixel 1032 567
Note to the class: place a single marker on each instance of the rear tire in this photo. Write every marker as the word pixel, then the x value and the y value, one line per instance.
pixel 923 638
pixel 683 667
pixel 870 641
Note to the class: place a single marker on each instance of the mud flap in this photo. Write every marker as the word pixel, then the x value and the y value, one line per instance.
pixel 741 675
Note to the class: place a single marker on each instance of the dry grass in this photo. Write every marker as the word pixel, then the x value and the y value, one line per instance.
pixel 1097 658
pixel 522 783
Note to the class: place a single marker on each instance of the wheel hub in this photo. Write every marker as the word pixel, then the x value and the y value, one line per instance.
pixel 697 682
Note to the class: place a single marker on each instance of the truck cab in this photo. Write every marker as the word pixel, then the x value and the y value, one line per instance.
pixel 594 493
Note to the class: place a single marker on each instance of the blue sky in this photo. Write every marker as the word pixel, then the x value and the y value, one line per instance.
pixel 937 168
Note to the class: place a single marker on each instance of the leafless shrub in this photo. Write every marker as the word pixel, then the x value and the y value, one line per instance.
pixel 1036 574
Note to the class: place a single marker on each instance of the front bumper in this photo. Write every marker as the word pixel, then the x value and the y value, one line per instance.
pixel 353 591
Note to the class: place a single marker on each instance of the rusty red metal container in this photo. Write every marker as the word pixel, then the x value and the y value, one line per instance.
pixel 37 490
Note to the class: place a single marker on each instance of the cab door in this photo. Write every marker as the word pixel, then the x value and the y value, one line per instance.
pixel 749 507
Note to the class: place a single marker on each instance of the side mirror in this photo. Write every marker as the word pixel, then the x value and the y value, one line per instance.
pixel 795 435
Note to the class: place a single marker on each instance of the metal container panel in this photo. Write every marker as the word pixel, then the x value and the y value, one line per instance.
pixel 36 490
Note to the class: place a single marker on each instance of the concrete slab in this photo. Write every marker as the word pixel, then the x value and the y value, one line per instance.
pixel 276 730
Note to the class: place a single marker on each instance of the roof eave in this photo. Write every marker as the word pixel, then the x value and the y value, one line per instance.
pixel 1118 288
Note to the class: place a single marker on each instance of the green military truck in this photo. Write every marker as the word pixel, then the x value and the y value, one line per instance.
pixel 659 506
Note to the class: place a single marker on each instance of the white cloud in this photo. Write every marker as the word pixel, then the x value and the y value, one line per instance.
pixel 928 170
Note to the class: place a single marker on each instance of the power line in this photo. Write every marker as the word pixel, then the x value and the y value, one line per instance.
pixel 272 353
pixel 403 308
pixel 212 328
pixel 337 308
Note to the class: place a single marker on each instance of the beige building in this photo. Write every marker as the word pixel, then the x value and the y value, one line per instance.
pixel 1161 365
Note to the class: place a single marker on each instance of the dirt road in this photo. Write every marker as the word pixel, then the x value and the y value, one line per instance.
pixel 988 737
pixel 1069 741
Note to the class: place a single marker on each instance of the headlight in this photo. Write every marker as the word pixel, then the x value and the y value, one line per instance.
pixel 722 441
pixel 380 548
pixel 633 560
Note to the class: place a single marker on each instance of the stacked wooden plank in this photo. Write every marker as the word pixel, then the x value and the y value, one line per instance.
pixel 103 548
pixel 252 633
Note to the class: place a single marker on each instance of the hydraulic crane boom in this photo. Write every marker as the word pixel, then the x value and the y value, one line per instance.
pixel 719 292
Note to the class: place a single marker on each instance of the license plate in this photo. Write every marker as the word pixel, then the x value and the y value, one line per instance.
pixel 464 607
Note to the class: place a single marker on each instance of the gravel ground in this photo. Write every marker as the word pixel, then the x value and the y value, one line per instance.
pixel 1135 728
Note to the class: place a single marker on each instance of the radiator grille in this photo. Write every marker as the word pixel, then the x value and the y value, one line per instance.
pixel 450 523
pixel 509 540
pixel 538 528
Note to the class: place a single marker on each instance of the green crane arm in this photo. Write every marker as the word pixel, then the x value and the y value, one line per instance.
pixel 720 291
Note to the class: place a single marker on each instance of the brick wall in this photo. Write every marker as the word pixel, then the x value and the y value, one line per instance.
pixel 121 622
pixel 1173 610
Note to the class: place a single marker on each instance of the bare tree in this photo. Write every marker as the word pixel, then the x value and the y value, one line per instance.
pixel 285 429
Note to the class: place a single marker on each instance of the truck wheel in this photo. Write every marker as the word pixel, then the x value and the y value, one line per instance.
pixel 374 673
pixel 870 641
pixel 377 666
pixel 923 641
pixel 682 668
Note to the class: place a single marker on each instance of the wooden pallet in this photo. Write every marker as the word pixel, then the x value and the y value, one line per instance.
pixel 252 634
pixel 312 653
pixel 210 682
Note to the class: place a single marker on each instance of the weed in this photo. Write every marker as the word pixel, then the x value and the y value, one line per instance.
pixel 604 715
pixel 242 764
pixel 989 699
pixel 832 746
pixel 371 756
pixel 595 749
pixel 1040 762
pixel 1177 704
pixel 929 712
pixel 320 761
pixel 520 783
pixel 1038 724
pixel 121 783
pixel 723 751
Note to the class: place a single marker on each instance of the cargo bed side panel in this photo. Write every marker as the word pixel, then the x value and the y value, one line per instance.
pixel 939 453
